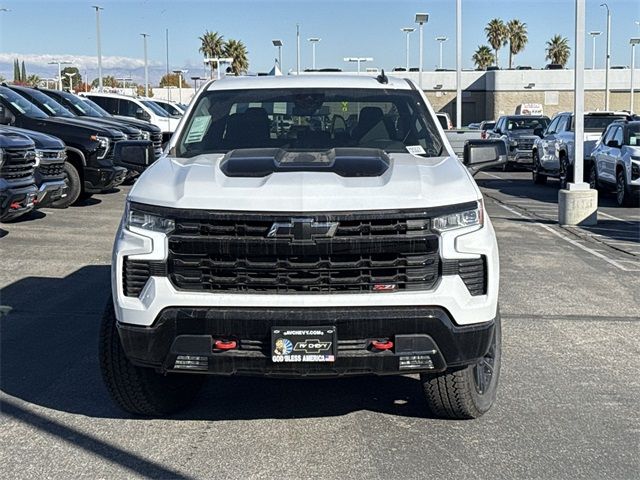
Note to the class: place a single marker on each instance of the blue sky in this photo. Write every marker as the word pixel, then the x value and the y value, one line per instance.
pixel 347 28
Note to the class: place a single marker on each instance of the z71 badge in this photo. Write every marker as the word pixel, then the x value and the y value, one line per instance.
pixel 317 344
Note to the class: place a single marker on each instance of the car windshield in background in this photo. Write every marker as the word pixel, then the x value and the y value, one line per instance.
pixel 21 104
pixel 599 123
pixel 95 106
pixel 310 119
pixel 170 109
pixel 155 108
pixel 488 126
pixel 49 105
pixel 526 123
pixel 633 135
pixel 81 105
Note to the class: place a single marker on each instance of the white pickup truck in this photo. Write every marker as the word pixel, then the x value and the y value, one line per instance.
pixel 553 152
pixel 273 240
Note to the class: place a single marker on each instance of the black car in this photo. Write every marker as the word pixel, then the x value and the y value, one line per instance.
pixel 18 192
pixel 85 107
pixel 89 147
pixel 51 169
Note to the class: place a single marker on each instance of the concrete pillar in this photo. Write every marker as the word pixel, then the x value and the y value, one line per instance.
pixel 578 207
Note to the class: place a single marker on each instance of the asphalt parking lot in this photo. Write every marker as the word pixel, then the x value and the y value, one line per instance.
pixel 567 405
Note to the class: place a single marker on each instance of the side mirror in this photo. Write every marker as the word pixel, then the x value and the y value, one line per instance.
pixel 613 144
pixel 6 117
pixel 481 154
pixel 133 154
pixel 142 115
pixel 539 132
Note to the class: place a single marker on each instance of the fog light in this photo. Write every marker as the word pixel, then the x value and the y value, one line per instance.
pixel 416 361
pixel 191 362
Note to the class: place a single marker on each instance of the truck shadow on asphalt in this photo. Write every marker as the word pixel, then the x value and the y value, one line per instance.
pixel 48 357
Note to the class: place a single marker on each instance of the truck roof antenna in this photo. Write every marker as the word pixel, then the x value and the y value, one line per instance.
pixel 382 78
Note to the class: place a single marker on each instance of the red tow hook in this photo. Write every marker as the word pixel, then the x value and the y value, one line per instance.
pixel 15 206
pixel 382 344
pixel 225 344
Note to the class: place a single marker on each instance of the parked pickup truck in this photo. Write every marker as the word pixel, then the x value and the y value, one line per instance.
pixel 18 192
pixel 459 138
pixel 49 175
pixel 519 132
pixel 307 250
pixel 553 152
pixel 90 148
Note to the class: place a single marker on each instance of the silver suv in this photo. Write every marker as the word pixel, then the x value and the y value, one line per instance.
pixel 616 162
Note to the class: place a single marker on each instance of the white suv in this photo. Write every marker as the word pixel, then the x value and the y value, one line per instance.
pixel 274 240
pixel 136 107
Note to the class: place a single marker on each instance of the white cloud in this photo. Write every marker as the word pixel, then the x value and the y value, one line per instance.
pixel 80 61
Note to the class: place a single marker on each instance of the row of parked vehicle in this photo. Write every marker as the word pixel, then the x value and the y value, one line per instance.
pixel 58 148
pixel 547 146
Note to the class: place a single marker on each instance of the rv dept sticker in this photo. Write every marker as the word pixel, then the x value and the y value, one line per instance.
pixel 303 345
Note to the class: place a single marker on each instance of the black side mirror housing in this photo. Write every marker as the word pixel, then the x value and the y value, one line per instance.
pixel 481 154
pixel 613 144
pixel 142 115
pixel 6 117
pixel 133 154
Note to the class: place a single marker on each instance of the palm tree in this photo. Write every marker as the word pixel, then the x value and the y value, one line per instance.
pixel 517 32
pixel 496 35
pixel 236 49
pixel 483 57
pixel 558 50
pixel 33 80
pixel 212 46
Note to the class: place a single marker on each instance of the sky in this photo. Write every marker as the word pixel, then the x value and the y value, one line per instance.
pixel 39 31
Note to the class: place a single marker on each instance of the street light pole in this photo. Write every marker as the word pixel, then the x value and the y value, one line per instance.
pixel 59 62
pixel 298 48
pixel 633 42
pixel 358 60
pixel 71 75
pixel 593 49
pixel 146 65
pixel 407 31
pixel 608 58
pixel 458 64
pixel 180 73
pixel 421 19
pixel 441 40
pixel 313 41
pixel 98 8
pixel 278 43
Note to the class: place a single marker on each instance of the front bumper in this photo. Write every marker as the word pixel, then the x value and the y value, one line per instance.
pixel 521 157
pixel 17 201
pixel 182 339
pixel 51 191
pixel 99 179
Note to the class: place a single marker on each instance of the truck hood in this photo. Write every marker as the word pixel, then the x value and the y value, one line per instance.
pixel 88 126
pixel 41 140
pixel 14 140
pixel 410 182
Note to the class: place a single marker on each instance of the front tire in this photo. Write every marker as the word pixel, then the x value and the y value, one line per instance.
pixel 73 189
pixel 538 178
pixel 565 172
pixel 138 390
pixel 623 195
pixel 593 176
pixel 469 392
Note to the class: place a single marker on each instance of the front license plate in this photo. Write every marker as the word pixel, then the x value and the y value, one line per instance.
pixel 308 344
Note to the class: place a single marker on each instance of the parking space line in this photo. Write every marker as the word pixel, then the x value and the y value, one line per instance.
pixel 613 218
pixel 496 176
pixel 569 240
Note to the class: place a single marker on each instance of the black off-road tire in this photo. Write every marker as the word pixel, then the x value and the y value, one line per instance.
pixel 141 391
pixel 624 197
pixel 73 190
pixel 565 172
pixel 537 177
pixel 455 394
pixel 594 183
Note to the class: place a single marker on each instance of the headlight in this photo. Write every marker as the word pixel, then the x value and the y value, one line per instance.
pixel 103 148
pixel 147 221
pixel 145 135
pixel 635 169
pixel 466 218
pixel 513 143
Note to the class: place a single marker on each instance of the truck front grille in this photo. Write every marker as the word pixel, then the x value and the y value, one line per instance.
pixel 156 139
pixel 51 170
pixel 265 254
pixel 18 164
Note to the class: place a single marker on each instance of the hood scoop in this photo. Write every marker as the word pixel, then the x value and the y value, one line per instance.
pixel 346 162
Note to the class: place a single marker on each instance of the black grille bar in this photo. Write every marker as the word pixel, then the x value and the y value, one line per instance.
pixel 136 273
pixel 472 271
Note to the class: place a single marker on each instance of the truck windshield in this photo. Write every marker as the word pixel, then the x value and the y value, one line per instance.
pixel 599 123
pixel 79 105
pixel 94 106
pixel 21 104
pixel 155 108
pixel 310 119
pixel 49 105
pixel 530 123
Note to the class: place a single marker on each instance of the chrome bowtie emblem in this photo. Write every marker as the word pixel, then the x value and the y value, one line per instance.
pixel 302 229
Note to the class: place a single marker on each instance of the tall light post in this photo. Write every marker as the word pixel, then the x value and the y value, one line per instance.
pixel 594 34
pixel 441 40
pixel 98 8
pixel 195 82
pixel 298 48
pixel 180 73
pixel 633 42
pixel 59 62
pixel 407 31
pixel 313 42
pixel 278 43
pixel 71 75
pixel 607 58
pixel 421 19
pixel 218 61
pixel 146 65
pixel 358 60
pixel 458 64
